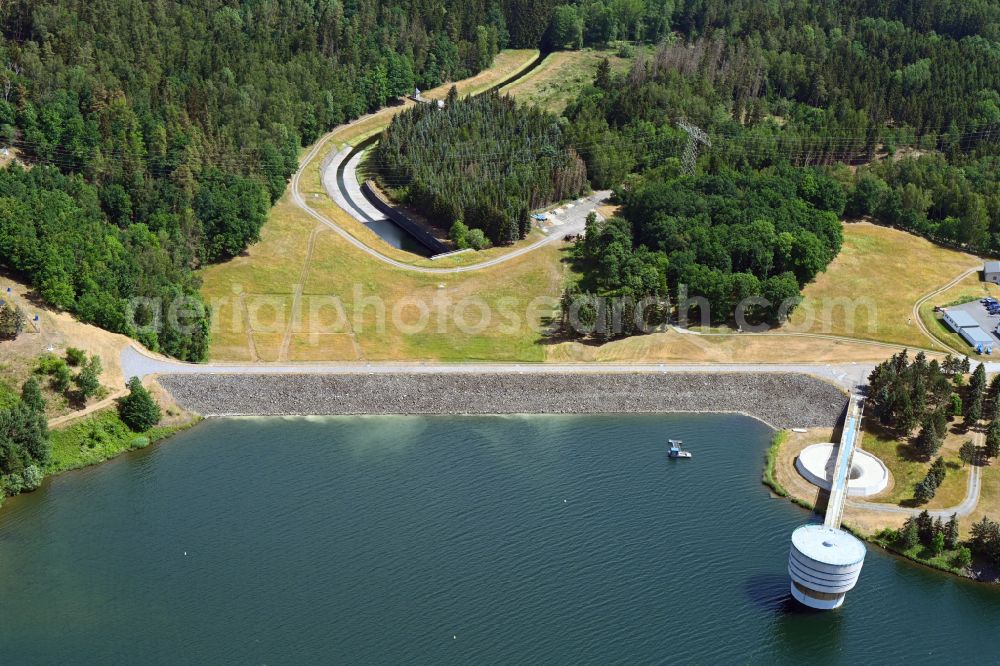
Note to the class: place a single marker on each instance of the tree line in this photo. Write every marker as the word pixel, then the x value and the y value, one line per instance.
pixel 710 243
pixel 171 127
pixel 483 160
pixel 780 88
pixel 24 440
pixel 954 201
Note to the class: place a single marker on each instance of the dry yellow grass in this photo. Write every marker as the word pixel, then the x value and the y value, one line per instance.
pixel 255 293
pixel 505 64
pixel 671 346
pixel 869 290
pixel 907 470
pixel 57 330
pixel 561 76
pixel 989 497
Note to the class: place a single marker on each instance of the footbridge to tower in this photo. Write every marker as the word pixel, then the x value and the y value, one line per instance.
pixel 825 561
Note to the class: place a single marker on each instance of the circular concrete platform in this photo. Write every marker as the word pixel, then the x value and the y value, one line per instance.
pixel 868 475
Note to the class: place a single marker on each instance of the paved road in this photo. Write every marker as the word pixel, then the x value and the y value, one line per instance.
pixel 140 363
pixel 966 507
pixel 348 196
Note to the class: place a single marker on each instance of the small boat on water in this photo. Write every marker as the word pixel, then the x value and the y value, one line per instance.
pixel 676 451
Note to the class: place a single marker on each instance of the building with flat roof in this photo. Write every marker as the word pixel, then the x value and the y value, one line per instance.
pixel 959 319
pixel 991 272
pixel 966 325
pixel 978 338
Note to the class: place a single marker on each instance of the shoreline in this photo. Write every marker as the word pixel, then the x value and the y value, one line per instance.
pixel 769 479
pixel 778 400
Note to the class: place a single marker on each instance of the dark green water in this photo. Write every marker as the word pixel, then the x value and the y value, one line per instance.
pixel 448 540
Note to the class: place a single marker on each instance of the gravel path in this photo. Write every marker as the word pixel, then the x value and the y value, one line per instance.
pixel 780 400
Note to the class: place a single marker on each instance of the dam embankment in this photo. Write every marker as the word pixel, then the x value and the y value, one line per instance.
pixel 778 399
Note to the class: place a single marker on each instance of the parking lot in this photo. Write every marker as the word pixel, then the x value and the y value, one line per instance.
pixel 978 312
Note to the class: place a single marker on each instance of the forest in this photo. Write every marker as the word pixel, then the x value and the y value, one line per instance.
pixel 24 439
pixel 728 237
pixel 857 108
pixel 483 161
pixel 168 128
pixel 162 131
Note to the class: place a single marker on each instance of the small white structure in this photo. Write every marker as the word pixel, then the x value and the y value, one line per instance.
pixel 824 564
pixel 991 272
pixel 868 475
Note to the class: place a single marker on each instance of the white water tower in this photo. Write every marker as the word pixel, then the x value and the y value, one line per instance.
pixel 824 563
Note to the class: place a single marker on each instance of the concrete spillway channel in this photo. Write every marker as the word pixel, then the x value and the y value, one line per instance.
pixel 825 561
pixel 365 204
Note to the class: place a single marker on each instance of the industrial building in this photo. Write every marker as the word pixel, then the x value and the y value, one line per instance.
pixel 966 325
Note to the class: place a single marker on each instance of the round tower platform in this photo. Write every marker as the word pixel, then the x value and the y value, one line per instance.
pixel 824 564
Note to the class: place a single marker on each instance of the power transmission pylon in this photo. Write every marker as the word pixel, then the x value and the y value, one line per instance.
pixel 695 136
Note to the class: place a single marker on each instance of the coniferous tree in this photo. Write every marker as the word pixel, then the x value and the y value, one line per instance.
pixel 937 471
pixel 925 526
pixel 992 396
pixel 967 453
pixel 951 533
pixel 909 535
pixel 924 491
pixel 928 442
pixel 976 395
pixel 993 439
pixel 31 396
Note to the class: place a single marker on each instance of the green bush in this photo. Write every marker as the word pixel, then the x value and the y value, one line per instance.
pixel 138 410
pixel 139 442
pixel 75 357
pixel 477 240
pixel 48 364
pixel 61 379
pixel 768 477
pixel 13 484
pixel 459 235
pixel 32 477
pixel 8 396
pixel 88 380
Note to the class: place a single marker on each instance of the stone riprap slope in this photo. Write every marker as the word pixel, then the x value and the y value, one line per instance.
pixel 780 400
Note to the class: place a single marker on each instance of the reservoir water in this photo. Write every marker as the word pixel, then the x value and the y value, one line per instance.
pixel 441 540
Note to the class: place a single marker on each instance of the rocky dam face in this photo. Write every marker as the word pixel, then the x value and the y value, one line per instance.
pixel 779 400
